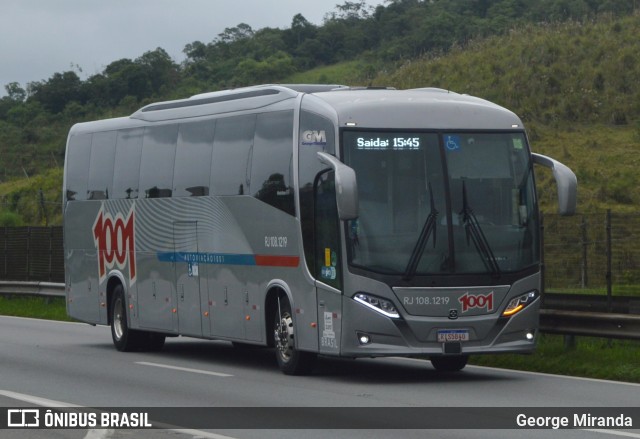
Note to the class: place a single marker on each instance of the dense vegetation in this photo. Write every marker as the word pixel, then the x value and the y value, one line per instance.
pixel 567 67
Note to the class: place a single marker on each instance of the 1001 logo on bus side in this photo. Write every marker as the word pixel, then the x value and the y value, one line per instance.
pixel 114 240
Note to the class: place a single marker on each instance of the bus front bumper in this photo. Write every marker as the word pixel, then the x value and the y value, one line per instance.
pixel 366 333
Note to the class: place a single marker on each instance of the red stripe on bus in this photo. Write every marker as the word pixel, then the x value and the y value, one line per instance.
pixel 277 261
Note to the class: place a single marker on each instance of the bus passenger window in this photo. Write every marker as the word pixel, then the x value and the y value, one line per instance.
pixel 103 154
pixel 192 172
pixel 158 157
pixel 78 156
pixel 271 171
pixel 126 170
pixel 232 144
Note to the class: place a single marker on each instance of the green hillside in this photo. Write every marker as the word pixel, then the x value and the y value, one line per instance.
pixel 574 85
pixel 569 72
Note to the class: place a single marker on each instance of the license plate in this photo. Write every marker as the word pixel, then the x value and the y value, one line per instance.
pixel 447 335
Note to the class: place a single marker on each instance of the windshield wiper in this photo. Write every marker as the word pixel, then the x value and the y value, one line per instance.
pixel 428 229
pixel 475 234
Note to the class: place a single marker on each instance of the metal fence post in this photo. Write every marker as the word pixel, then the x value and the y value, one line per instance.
pixel 585 244
pixel 542 267
pixel 50 252
pixel 28 253
pixel 609 258
pixel 6 257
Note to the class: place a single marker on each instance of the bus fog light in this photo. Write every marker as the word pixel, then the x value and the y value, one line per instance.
pixel 529 335
pixel 363 338
pixel 383 306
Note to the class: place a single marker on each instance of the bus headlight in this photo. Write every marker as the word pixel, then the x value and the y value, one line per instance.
pixel 519 303
pixel 383 306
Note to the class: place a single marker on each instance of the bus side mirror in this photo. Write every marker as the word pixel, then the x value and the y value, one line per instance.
pixel 565 180
pixel 346 186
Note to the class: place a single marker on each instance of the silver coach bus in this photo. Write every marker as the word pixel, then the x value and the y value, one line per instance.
pixel 315 219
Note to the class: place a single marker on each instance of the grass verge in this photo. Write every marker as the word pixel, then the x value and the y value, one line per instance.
pixel 50 308
pixel 589 357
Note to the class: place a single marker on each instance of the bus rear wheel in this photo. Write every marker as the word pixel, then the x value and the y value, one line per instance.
pixel 125 339
pixel 452 363
pixel 290 360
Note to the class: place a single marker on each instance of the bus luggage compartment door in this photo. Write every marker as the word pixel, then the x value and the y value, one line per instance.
pixel 188 275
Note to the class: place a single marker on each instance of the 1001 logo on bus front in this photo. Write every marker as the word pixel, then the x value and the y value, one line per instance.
pixel 114 240
pixel 480 301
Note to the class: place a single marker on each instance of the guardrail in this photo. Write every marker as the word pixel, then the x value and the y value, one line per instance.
pixel 567 314
pixel 44 289
pixel 592 324
pixel 591 315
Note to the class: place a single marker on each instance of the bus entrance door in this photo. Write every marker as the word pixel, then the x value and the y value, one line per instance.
pixel 185 241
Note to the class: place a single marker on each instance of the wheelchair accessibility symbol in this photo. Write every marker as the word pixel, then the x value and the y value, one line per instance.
pixel 452 143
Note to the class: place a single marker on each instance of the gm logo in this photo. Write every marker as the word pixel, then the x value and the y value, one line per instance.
pixel 23 418
pixel 314 137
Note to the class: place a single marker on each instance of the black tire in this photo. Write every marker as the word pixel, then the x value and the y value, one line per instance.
pixel 124 339
pixel 154 342
pixel 290 360
pixel 453 363
pixel 241 345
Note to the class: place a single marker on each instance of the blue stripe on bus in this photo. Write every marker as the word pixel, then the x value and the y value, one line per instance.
pixel 229 259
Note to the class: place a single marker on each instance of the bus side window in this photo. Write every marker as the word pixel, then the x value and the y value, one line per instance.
pixel 103 154
pixel 192 171
pixel 78 157
pixel 126 169
pixel 232 145
pixel 158 159
pixel 271 166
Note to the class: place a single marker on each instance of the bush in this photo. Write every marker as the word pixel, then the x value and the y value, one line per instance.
pixel 10 219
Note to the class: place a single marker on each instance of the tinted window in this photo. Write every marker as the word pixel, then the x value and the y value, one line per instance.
pixel 328 264
pixel 158 157
pixel 231 148
pixel 312 128
pixel 193 159
pixel 103 153
pixel 78 155
pixel 126 173
pixel 271 160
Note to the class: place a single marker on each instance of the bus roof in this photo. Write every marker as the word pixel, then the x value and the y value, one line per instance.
pixel 429 108
pixel 366 107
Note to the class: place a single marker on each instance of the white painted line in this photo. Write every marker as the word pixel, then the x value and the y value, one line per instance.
pixel 101 433
pixel 36 400
pixel 526 372
pixel 46 320
pixel 184 369
pixel 614 432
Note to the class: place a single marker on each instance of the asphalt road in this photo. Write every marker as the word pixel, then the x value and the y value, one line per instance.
pixel 44 364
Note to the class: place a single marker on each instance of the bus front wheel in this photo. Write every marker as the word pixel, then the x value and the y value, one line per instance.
pixel 452 363
pixel 290 360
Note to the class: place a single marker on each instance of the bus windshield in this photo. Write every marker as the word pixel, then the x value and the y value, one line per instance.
pixel 442 203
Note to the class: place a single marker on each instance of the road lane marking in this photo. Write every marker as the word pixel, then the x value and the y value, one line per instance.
pixel 527 372
pixel 46 320
pixel 102 433
pixel 542 374
pixel 37 400
pixel 184 369
pixel 613 432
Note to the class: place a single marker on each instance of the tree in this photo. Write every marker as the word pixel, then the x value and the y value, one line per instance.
pixel 15 92
pixel 60 89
